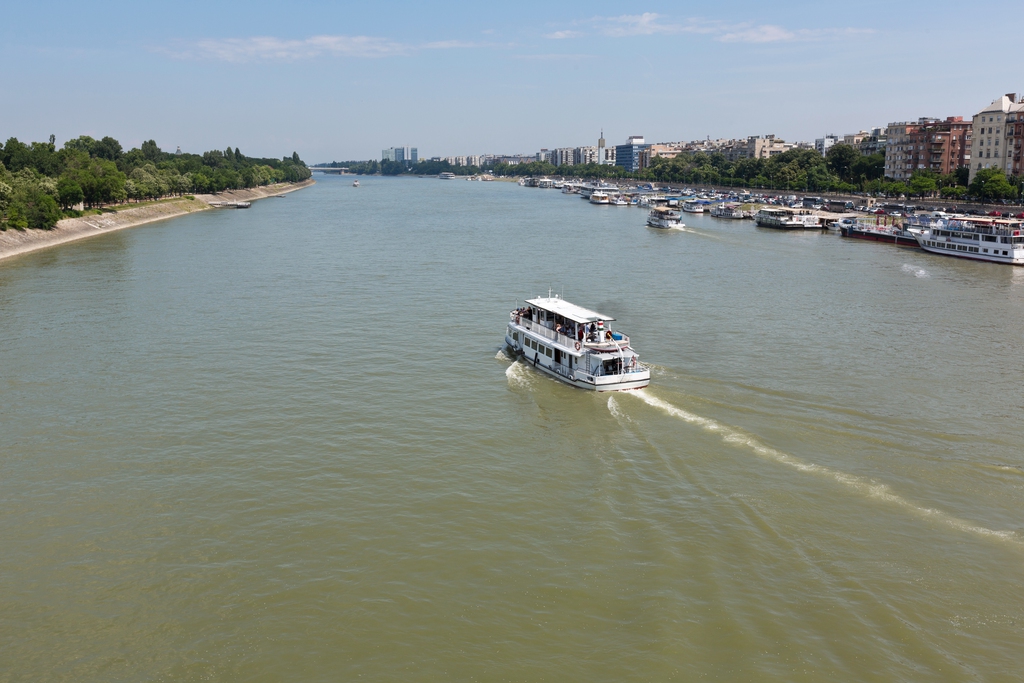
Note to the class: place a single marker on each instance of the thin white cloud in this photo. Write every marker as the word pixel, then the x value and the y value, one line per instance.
pixel 554 57
pixel 269 48
pixel 651 24
pixel 758 34
pixel 770 33
pixel 452 44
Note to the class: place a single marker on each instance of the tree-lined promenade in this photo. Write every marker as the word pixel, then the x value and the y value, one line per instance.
pixel 843 170
pixel 40 184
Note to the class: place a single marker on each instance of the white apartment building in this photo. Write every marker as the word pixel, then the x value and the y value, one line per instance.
pixel 991 145
pixel 823 145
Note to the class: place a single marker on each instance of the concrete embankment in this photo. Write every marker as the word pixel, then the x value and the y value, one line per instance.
pixel 15 242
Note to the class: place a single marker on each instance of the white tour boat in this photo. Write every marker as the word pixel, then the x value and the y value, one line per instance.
pixel 732 211
pixel 574 345
pixel 664 217
pixel 982 239
pixel 598 197
pixel 446 175
pixel 787 219
pixel 588 189
pixel 693 207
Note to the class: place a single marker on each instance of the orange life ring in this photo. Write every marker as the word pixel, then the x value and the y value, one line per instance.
pixel 577 346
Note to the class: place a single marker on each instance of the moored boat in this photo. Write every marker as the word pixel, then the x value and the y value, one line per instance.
pixel 786 219
pixel 693 207
pixel 980 239
pixel 574 345
pixel 877 232
pixel 732 211
pixel 598 197
pixel 446 175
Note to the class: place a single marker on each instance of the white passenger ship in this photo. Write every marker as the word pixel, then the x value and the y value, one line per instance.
pixel 982 239
pixel 575 345
pixel 786 219
pixel 664 217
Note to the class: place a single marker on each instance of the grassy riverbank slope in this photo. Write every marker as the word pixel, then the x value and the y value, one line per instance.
pixel 15 242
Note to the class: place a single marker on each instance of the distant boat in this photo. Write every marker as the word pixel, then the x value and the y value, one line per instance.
pixel 355 183
pixel 787 219
pixel 728 211
pixel 446 175
pixel 599 198
pixel 693 207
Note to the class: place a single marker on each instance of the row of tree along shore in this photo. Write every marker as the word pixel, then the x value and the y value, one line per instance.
pixel 843 169
pixel 40 184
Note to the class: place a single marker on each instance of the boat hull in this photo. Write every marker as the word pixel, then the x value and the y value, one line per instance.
pixel 969 251
pixel 664 225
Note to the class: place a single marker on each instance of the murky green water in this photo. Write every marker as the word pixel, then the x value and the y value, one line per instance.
pixel 282 444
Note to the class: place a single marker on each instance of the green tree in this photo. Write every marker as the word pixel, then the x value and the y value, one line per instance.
pixel 150 151
pixel 840 159
pixel 922 183
pixel 41 211
pixel 990 184
pixel 69 192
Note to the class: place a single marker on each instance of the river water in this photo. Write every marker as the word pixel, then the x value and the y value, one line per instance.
pixel 283 444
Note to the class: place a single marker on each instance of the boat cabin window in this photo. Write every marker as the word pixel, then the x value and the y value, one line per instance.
pixel 989 238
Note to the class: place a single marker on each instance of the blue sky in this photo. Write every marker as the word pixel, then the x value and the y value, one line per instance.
pixel 341 80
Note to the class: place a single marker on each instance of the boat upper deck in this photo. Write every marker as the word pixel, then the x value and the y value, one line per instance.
pixel 573 327
pixel 560 306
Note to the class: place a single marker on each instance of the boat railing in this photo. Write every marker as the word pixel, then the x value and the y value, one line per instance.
pixel 544 331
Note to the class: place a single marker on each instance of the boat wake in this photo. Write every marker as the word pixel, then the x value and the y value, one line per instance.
pixel 518 376
pixel 853 482
pixel 914 270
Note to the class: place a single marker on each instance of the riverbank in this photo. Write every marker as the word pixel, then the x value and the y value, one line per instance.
pixel 16 242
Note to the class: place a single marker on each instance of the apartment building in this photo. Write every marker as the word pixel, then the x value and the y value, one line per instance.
pixel 823 145
pixel 563 156
pixel 930 144
pixel 585 155
pixel 767 146
pixel 995 137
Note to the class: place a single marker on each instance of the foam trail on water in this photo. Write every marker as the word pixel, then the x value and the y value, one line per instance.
pixel 859 484
pixel 613 408
pixel 518 376
pixel 501 355
pixel 915 270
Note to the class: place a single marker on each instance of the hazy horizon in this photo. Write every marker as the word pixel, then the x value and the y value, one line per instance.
pixel 341 82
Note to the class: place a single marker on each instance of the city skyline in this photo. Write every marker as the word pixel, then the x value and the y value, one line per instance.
pixel 342 82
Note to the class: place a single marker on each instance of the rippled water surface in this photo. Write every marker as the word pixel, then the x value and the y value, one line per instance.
pixel 283 444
